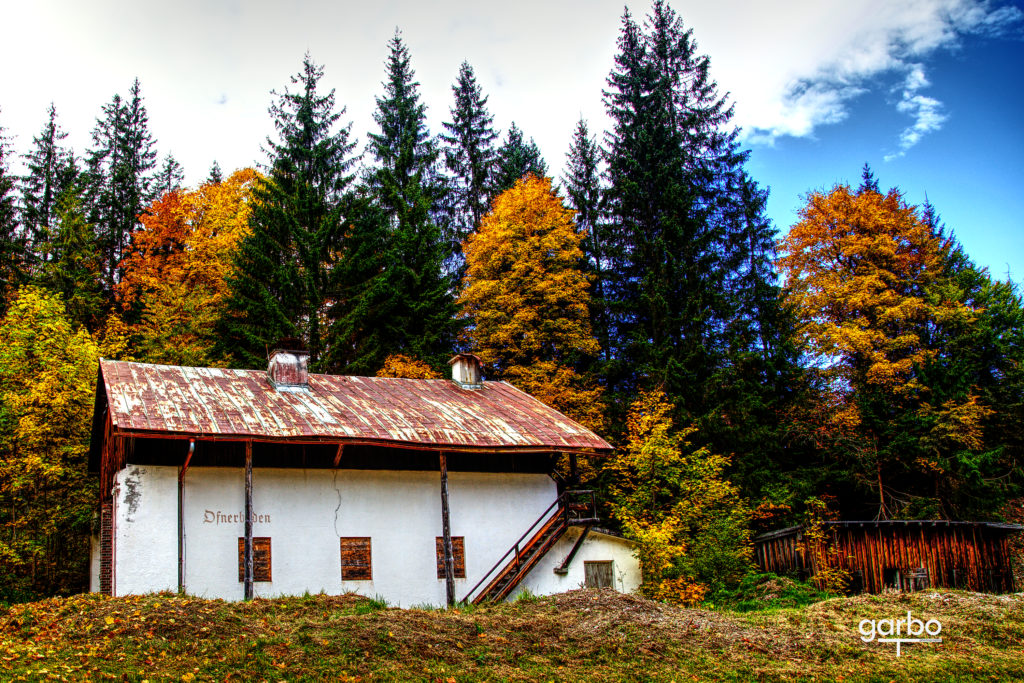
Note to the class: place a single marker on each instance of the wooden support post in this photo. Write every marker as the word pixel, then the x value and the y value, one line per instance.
pixel 446 530
pixel 181 515
pixel 248 521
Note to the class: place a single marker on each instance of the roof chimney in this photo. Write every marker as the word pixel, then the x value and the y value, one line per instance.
pixel 289 369
pixel 466 371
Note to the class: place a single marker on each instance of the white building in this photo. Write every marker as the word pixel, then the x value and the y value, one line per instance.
pixel 237 483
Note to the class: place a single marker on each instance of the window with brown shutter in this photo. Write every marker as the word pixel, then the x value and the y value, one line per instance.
pixel 598 575
pixel 356 559
pixel 260 558
pixel 458 551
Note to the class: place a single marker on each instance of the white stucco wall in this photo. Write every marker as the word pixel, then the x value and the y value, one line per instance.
pixel 305 512
pixel 145 533
pixel 597 547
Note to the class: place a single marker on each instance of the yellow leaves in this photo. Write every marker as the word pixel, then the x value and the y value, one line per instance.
pixel 524 291
pixel 858 267
pixel 116 339
pixel 176 272
pixel 680 591
pixel 47 380
pixel 956 425
pixel 675 501
pixel 400 365
pixel 526 299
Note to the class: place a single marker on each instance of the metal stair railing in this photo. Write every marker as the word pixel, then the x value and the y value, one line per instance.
pixel 570 508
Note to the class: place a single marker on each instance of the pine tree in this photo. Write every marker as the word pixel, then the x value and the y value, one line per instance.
pixel 216 176
pixel 681 228
pixel 469 155
pixel 868 180
pixel 170 177
pixel 582 183
pixel 299 212
pixel 46 180
pixel 12 243
pixel 397 300
pixel 514 160
pixel 119 184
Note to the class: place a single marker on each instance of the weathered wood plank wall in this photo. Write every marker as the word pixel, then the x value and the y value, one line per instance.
pixel 969 556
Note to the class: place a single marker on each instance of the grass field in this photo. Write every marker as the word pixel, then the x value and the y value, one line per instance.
pixel 577 636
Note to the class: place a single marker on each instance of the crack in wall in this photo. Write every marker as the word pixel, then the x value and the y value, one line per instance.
pixel 338 508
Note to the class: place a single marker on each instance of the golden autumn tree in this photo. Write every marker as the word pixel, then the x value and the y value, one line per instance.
pixel 174 278
pixel 47 385
pixel 690 522
pixel 868 278
pixel 525 298
pixel 401 365
pixel 858 266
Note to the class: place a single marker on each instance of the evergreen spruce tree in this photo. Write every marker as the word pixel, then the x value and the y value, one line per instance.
pixel 403 304
pixel 469 155
pixel 514 160
pixel 12 244
pixel 867 180
pixel 582 184
pixel 687 242
pixel 46 180
pixel 119 183
pixel 280 287
pixel 216 175
pixel 170 177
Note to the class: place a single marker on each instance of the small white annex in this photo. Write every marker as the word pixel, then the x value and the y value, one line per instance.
pixel 236 483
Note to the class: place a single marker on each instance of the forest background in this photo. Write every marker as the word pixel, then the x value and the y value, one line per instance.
pixel 860 367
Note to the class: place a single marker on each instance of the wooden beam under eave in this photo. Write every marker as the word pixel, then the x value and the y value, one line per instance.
pixel 248 589
pixel 446 532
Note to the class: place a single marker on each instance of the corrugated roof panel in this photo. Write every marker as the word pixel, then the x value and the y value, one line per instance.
pixel 166 398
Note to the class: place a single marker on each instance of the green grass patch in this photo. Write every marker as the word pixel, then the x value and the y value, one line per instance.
pixel 577 636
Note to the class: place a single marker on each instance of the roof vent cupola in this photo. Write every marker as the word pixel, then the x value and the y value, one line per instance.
pixel 288 370
pixel 466 371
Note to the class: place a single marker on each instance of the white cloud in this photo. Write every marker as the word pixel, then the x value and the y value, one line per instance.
pixel 838 50
pixel 207 68
pixel 926 111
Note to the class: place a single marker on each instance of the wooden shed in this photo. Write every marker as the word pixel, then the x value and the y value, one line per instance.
pixel 898 554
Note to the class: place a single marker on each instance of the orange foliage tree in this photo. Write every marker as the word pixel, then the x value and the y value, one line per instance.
pixel 863 270
pixel 401 365
pixel 858 267
pixel 174 278
pixel 525 298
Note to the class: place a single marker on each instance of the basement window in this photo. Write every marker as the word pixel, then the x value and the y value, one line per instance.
pixel 597 575
pixel 458 551
pixel 355 559
pixel 260 558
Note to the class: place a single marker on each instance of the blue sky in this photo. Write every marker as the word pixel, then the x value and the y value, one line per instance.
pixel 820 86
pixel 971 168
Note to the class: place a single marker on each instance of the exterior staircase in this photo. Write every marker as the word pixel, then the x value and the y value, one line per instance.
pixel 571 508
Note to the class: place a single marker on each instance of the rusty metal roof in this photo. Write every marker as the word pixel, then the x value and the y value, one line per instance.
pixel 145 398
